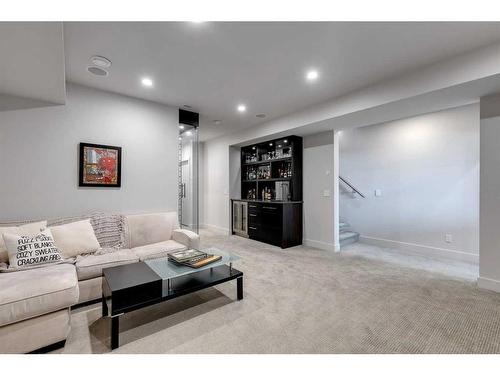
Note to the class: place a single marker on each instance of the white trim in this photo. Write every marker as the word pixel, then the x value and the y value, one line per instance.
pixel 216 228
pixel 430 251
pixel 321 245
pixel 490 284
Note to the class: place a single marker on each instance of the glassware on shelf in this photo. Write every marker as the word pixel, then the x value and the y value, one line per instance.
pixel 251 173
pixel 264 172
pixel 251 193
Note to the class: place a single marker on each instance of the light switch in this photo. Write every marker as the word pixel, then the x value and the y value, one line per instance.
pixel 326 193
pixel 327 172
pixel 378 192
pixel 448 238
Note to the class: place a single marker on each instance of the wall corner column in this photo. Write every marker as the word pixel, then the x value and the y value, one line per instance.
pixel 336 191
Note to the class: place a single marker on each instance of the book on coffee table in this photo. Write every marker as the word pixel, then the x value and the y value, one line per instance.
pixel 192 258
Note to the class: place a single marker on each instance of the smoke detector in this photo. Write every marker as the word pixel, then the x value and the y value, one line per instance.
pixel 100 61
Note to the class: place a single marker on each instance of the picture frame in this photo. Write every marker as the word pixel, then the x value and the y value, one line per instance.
pixel 99 165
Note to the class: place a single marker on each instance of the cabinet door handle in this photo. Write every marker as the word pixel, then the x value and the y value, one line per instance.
pixel 253 228
pixel 252 206
pixel 270 208
pixel 252 215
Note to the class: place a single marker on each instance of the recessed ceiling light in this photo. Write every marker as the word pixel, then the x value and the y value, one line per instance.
pixel 100 61
pixel 286 141
pixel 148 82
pixel 180 138
pixel 312 75
pixel 217 122
pixel 253 148
pixel 95 70
pixel 261 115
pixel 181 127
pixel 270 144
pixel 241 108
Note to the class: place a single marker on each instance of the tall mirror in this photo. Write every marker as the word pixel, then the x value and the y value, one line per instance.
pixel 188 209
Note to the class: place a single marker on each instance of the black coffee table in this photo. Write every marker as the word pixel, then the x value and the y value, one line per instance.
pixel 134 286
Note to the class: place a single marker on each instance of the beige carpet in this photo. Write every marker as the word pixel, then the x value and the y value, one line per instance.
pixel 304 300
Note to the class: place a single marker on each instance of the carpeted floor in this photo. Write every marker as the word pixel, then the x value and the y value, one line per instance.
pixel 304 300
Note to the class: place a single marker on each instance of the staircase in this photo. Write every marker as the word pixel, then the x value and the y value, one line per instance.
pixel 346 235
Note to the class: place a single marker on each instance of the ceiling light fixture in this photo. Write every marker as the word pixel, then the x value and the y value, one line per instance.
pixel 270 144
pixel 312 75
pixel 241 108
pixel 148 82
pixel 217 122
pixel 181 127
pixel 188 133
pixel 100 61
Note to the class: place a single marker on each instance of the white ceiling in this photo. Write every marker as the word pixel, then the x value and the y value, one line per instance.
pixel 31 64
pixel 214 66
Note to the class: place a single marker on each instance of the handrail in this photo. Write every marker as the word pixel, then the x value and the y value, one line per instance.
pixel 352 187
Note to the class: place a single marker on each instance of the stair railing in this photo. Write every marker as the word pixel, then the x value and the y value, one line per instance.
pixel 354 190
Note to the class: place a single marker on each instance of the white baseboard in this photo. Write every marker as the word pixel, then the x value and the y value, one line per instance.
pixel 321 245
pixel 216 228
pixel 412 248
pixel 490 284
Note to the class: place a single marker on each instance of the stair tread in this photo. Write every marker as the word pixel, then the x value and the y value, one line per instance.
pixel 349 234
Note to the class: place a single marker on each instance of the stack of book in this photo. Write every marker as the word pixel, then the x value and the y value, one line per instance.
pixel 192 258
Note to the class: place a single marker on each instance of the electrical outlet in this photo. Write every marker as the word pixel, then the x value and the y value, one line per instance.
pixel 448 238
pixel 378 192
pixel 326 193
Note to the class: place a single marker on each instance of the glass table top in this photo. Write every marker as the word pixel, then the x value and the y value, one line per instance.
pixel 169 270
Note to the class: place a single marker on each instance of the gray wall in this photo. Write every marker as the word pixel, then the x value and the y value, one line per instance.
pixel 317 175
pixel 39 156
pixel 427 168
pixel 489 263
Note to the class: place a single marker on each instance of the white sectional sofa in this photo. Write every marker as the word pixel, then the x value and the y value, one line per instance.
pixel 35 304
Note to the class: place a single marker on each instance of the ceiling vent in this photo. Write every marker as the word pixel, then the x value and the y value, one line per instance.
pixel 95 70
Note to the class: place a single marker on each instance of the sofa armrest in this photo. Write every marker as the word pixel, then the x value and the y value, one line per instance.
pixel 187 238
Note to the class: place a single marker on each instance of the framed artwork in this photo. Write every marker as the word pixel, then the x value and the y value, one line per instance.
pixel 100 165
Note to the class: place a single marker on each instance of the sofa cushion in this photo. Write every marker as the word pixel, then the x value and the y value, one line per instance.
pixel 75 238
pixel 90 266
pixel 38 291
pixel 21 230
pixel 31 251
pixel 108 228
pixel 148 229
pixel 157 250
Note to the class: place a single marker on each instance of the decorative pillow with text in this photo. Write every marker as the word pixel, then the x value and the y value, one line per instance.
pixel 31 251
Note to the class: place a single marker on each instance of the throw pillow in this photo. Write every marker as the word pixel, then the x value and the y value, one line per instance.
pixel 75 238
pixel 22 230
pixel 31 251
